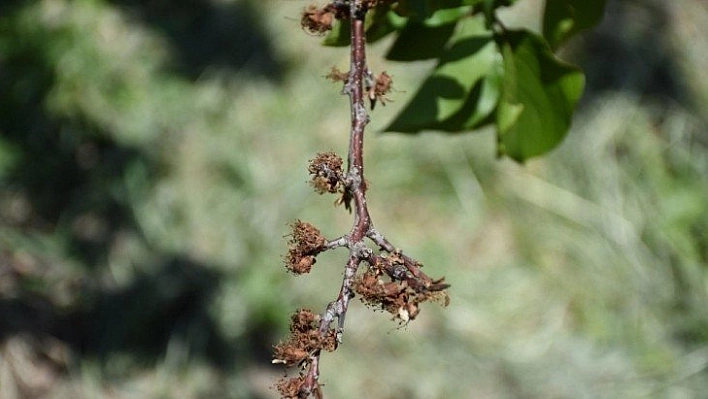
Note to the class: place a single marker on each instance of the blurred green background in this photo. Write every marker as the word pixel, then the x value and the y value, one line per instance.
pixel 153 152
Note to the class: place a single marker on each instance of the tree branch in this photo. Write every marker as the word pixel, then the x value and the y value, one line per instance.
pixel 356 185
pixel 355 188
pixel 407 285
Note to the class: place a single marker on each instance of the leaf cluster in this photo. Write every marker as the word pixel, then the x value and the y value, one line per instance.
pixel 486 74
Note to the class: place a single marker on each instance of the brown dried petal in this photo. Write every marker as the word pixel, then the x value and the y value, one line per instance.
pixel 380 287
pixel 307 238
pixel 306 241
pixel 317 21
pixel 381 87
pixel 335 75
pixel 289 388
pixel 289 354
pixel 303 320
pixel 299 264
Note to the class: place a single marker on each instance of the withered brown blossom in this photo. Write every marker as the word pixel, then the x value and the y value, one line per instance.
pixel 388 285
pixel 335 75
pixel 382 86
pixel 305 242
pixel 326 171
pixel 318 21
pixel 289 388
pixel 304 339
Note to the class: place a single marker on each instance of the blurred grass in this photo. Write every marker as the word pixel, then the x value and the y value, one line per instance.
pixel 144 207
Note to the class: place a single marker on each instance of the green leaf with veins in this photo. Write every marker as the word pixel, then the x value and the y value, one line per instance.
pixel 539 94
pixel 380 22
pixel 565 18
pixel 461 92
pixel 422 10
pixel 420 42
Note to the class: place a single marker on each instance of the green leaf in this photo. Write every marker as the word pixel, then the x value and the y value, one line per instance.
pixel 380 22
pixel 340 35
pixel 477 111
pixel 420 10
pixel 488 8
pixel 539 93
pixel 565 18
pixel 419 42
pixel 462 90
pixel 447 16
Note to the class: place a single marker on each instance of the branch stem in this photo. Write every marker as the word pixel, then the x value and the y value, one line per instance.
pixel 356 187
pixel 359 119
pixel 398 267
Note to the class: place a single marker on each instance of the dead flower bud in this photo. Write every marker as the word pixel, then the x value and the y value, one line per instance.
pixel 296 388
pixel 378 90
pixel 327 173
pixel 305 338
pixel 303 320
pixel 305 242
pixel 317 21
pixel 335 75
pixel 289 354
pixel 299 264
pixel 307 238
pixel 289 388
pixel 399 295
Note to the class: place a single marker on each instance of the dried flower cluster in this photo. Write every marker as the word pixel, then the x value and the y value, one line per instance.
pixel 318 21
pixel 390 285
pixel 304 342
pixel 378 90
pixel 335 75
pixel 305 243
pixel 326 171
pixel 289 388
pixel 392 282
pixel 305 339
